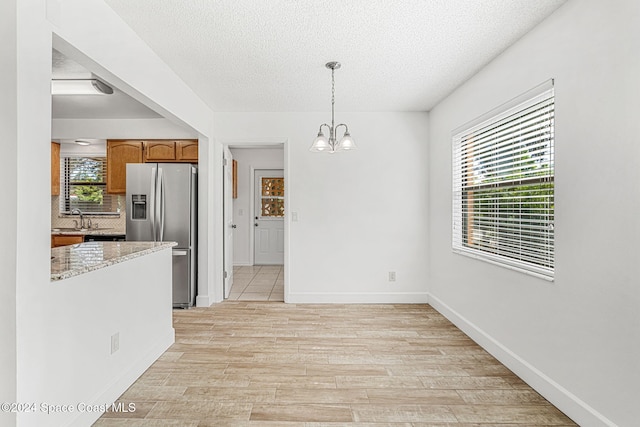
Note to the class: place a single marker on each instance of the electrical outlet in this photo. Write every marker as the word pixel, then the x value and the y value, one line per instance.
pixel 115 342
pixel 392 276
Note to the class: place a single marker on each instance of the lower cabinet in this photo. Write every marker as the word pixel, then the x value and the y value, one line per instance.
pixel 65 239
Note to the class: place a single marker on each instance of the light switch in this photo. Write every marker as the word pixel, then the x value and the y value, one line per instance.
pixel 294 216
pixel 240 212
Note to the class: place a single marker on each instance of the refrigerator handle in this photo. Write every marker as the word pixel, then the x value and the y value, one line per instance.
pixel 152 204
pixel 161 204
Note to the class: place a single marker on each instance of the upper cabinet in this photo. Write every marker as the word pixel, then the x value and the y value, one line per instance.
pixel 159 151
pixel 187 151
pixel 55 169
pixel 119 153
pixel 171 151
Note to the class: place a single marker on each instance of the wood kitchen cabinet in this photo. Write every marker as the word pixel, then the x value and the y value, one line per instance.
pixel 159 151
pixel 55 169
pixel 171 151
pixel 187 151
pixel 119 153
pixel 65 239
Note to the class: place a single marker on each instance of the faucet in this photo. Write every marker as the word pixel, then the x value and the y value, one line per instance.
pixel 79 212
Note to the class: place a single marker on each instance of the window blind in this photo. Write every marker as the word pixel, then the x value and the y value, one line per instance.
pixel 84 186
pixel 503 186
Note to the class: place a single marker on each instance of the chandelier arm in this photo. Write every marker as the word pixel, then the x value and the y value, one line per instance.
pixel 324 124
pixel 346 128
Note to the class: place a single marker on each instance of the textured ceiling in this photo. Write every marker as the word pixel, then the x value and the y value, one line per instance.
pixel 258 55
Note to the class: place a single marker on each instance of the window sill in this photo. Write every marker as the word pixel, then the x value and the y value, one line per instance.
pixel 503 263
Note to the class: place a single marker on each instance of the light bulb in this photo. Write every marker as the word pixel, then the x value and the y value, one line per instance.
pixel 320 144
pixel 346 143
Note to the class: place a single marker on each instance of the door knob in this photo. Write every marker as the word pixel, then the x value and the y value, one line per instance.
pixel 256 224
pixel 233 226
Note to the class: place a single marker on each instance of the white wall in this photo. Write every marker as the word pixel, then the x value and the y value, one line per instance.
pixel 119 129
pixel 577 340
pixel 70 359
pixel 9 211
pixel 249 159
pixel 361 214
pixel 94 30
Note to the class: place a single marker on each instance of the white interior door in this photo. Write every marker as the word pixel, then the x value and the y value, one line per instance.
pixel 269 216
pixel 228 221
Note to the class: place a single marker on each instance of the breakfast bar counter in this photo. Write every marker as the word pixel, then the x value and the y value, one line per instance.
pixel 73 260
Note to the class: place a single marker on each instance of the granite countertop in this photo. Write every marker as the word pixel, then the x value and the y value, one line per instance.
pixel 73 260
pixel 87 231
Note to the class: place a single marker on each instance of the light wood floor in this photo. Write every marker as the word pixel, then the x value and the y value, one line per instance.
pixel 274 364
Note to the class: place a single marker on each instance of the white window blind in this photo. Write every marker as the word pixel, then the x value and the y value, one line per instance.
pixel 84 186
pixel 503 185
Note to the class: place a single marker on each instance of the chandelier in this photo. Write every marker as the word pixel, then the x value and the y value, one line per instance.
pixel 321 143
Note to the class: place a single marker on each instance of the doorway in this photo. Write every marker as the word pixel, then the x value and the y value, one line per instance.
pixel 258 251
pixel 229 186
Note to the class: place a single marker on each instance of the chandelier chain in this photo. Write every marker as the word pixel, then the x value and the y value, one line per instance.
pixel 333 101
pixel 333 88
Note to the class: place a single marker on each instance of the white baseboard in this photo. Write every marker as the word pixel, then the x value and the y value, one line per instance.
pixel 242 264
pixel 203 301
pixel 563 399
pixel 357 298
pixel 121 383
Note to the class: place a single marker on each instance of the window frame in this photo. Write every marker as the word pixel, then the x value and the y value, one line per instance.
pixel 66 185
pixel 537 238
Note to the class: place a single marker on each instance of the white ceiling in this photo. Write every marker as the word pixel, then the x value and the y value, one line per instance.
pixel 115 106
pixel 257 55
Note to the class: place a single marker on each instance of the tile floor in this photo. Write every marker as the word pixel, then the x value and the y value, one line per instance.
pixel 270 364
pixel 257 283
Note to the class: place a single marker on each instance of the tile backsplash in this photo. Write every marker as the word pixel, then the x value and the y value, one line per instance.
pixel 118 223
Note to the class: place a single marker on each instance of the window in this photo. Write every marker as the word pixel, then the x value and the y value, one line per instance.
pixel 503 185
pixel 84 186
pixel 272 197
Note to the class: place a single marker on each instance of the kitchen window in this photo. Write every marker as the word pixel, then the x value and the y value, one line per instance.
pixel 84 186
pixel 503 185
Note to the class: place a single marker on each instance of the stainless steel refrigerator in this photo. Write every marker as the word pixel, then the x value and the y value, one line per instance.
pixel 162 206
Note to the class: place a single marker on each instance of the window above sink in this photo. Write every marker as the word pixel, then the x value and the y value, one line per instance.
pixel 83 186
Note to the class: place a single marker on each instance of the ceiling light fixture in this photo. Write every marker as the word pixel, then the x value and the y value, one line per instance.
pixel 321 144
pixel 80 87
pixel 83 142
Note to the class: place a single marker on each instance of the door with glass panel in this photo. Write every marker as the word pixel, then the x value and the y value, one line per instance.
pixel 269 216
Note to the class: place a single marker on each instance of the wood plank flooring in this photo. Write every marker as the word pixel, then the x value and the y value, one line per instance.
pixel 272 364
